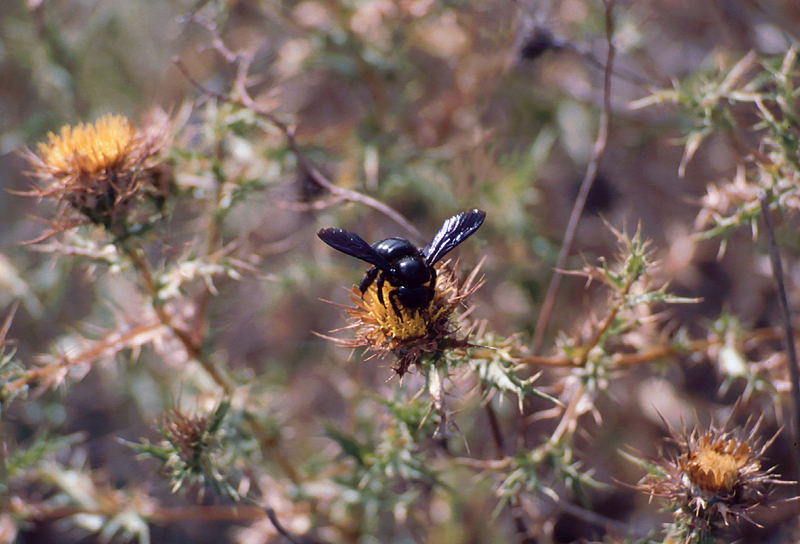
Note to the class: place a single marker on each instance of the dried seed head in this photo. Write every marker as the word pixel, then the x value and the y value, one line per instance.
pixel 409 333
pixel 715 477
pixel 716 463
pixel 192 450
pixel 99 169
pixel 187 434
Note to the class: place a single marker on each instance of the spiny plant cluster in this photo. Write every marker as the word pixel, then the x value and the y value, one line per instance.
pixel 218 397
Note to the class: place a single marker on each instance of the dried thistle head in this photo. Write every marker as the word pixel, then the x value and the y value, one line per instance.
pixel 188 435
pixel 100 169
pixel 714 477
pixel 192 449
pixel 407 334
pixel 717 463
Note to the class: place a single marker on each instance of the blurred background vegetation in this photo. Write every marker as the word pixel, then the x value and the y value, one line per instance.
pixel 430 108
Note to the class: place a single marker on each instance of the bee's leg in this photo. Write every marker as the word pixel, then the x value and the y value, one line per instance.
pixel 431 293
pixel 367 280
pixel 394 296
pixel 379 286
pixel 430 289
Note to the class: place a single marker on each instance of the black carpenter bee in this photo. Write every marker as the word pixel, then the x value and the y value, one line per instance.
pixel 396 260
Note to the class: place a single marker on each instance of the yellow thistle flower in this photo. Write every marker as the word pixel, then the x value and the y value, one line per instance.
pixel 409 334
pixel 714 478
pixel 99 168
pixel 88 149
pixel 408 324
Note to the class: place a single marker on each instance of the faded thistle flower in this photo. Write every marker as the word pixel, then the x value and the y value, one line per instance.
pixel 100 169
pixel 714 478
pixel 191 450
pixel 408 334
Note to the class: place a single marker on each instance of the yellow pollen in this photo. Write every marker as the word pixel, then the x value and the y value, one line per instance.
pixel 89 148
pixel 409 324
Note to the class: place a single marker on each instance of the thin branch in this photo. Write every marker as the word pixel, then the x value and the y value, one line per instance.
pixel 159 514
pixel 586 185
pixel 192 348
pixel 7 323
pixel 243 99
pixel 569 419
pixel 195 352
pixel 625 75
pixel 546 360
pixel 794 371
pixel 273 518
pixel 497 433
pixel 114 340
pixel 609 319
pixel 594 518
pixel 650 354
pixel 483 464
pixel 514 505
pixel 213 241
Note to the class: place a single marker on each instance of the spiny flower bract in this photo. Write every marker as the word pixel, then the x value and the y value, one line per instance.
pixel 192 448
pixel 714 477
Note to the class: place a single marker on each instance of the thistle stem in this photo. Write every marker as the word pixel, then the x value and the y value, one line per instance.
pixel 194 351
pixel 586 184
pixel 788 340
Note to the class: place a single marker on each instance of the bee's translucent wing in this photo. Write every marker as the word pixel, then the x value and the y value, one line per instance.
pixel 452 232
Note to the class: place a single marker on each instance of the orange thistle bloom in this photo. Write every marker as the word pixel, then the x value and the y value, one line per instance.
pixel 99 168
pixel 88 149
pixel 409 334
pixel 715 464
pixel 714 478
